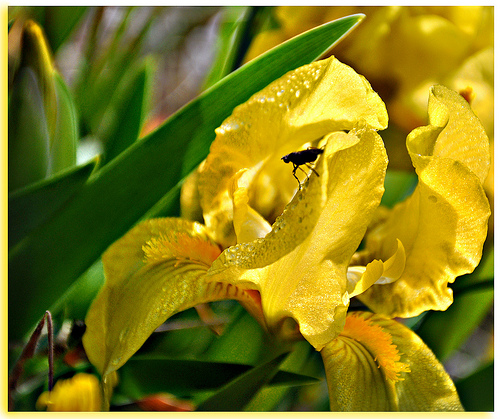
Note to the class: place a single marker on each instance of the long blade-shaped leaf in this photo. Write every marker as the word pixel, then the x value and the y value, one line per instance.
pixel 31 206
pixel 239 392
pixel 142 375
pixel 235 21
pixel 47 262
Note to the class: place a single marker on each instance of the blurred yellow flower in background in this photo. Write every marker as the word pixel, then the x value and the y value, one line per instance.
pixel 81 393
pixel 403 51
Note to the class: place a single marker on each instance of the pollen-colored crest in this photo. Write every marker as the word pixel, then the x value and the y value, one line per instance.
pixel 378 343
pixel 180 246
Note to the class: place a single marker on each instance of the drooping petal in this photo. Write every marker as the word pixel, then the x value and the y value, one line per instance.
pixel 156 270
pixel 300 267
pixel 377 364
pixel 443 224
pixel 299 108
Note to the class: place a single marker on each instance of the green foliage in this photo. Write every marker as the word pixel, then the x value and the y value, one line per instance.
pixel 236 22
pixel 238 393
pixel 47 196
pixel 445 331
pixel 476 390
pixel 29 140
pixel 398 185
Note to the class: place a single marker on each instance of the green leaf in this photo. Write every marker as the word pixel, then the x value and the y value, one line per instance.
pixel 31 206
pixel 144 375
pixel 269 397
pixel 59 22
pixel 75 302
pixel 113 199
pixel 242 342
pixel 398 186
pixel 124 116
pixel 445 331
pixel 239 392
pixel 63 148
pixel 28 132
pixel 482 277
pixel 141 376
pixel 100 78
pixel 185 337
pixel 476 390
pixel 232 29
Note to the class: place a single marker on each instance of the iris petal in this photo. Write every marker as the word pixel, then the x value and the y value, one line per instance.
pixel 443 224
pixel 156 270
pixel 378 364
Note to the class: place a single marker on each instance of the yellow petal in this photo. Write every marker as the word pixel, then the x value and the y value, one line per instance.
pixel 477 74
pixel 376 272
pixel 443 224
pixel 248 223
pixel 301 107
pixel 454 132
pixel 377 364
pixel 156 270
pixel 81 393
pixel 300 267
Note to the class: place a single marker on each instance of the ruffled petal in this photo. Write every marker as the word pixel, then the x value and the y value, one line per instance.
pixel 299 108
pixel 377 364
pixel 300 267
pixel 443 224
pixel 156 270
pixel 454 132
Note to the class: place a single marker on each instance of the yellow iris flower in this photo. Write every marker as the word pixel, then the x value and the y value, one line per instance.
pixel 287 254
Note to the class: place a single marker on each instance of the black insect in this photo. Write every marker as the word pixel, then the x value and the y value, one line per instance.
pixel 298 158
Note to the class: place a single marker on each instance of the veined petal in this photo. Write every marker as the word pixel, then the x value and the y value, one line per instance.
pixel 299 108
pixel 156 270
pixel 443 224
pixel 300 267
pixel 377 364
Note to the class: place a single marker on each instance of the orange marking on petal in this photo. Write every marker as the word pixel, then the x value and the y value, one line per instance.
pixel 468 94
pixel 182 247
pixel 378 343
